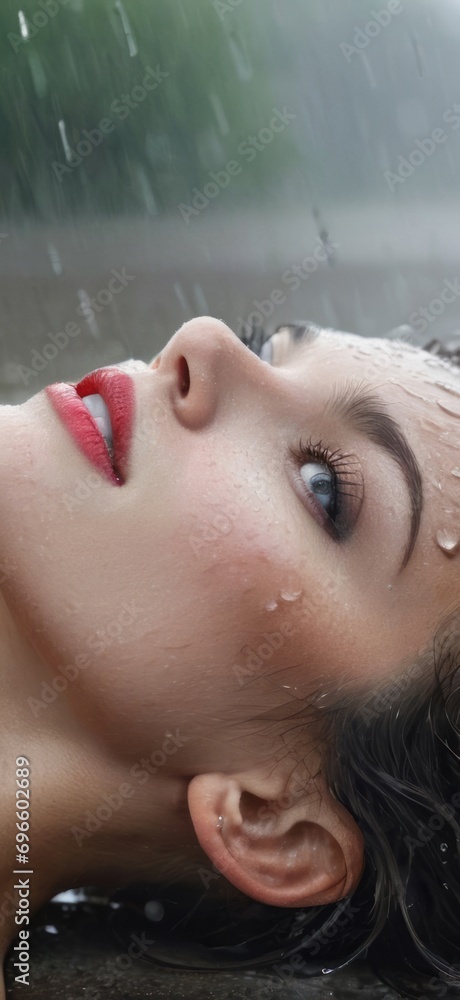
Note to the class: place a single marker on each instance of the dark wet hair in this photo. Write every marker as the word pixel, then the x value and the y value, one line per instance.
pixel 393 760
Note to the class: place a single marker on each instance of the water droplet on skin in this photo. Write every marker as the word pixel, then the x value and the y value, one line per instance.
pixel 417 395
pixel 456 471
pixel 271 605
pixel 448 388
pixel 447 541
pixel 287 595
pixel 390 586
pixel 448 409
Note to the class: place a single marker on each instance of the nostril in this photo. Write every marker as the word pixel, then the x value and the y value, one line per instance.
pixel 184 377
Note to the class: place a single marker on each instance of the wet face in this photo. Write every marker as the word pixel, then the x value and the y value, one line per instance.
pixel 273 535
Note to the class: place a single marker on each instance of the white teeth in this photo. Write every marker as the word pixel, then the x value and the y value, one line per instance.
pixel 96 406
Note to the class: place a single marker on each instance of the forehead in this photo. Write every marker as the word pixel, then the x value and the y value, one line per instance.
pixel 421 390
pixel 382 362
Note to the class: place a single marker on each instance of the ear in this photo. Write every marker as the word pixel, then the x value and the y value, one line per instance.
pixel 300 849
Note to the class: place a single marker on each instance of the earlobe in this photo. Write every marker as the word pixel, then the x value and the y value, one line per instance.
pixel 306 853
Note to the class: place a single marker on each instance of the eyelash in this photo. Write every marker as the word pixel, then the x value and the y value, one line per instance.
pixel 339 464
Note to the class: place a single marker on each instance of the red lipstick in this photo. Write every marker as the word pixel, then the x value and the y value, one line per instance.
pixel 117 390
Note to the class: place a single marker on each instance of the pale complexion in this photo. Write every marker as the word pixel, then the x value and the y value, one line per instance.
pixel 216 545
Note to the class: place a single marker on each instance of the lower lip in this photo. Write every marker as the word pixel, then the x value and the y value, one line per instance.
pixel 76 417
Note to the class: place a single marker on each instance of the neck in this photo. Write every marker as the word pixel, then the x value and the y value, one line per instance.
pixel 92 819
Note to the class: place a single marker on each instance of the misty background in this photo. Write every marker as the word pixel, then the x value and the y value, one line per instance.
pixel 358 89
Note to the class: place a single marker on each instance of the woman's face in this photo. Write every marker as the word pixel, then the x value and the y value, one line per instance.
pixel 230 575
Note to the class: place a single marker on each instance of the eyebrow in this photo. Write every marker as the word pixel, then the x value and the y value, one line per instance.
pixel 365 412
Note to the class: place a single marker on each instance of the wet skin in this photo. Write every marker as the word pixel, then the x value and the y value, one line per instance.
pixel 217 541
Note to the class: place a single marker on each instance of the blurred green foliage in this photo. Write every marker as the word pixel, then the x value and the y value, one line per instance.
pixel 80 56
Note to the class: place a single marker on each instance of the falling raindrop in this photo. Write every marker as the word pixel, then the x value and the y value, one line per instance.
pixel 38 74
pixel 132 46
pixel 146 191
pixel 201 301
pixel 55 259
pixel 240 60
pixel 24 27
pixel 369 71
pixel 182 299
pixel 219 112
pixel 330 314
pixel 88 312
pixel 65 141
pixel 419 59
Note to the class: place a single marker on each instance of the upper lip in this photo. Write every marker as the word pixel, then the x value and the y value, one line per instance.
pixel 116 388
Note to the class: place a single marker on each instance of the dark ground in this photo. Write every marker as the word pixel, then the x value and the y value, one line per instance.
pixel 80 961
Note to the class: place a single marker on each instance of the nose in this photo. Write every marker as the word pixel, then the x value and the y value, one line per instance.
pixel 196 363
